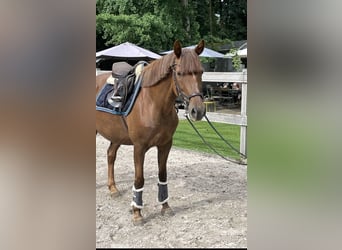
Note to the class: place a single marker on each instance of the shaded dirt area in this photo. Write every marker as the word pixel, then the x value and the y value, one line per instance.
pixel 207 194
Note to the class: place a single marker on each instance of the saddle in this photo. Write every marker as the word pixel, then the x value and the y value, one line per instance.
pixel 124 76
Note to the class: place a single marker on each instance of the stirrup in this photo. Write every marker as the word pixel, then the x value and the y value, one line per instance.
pixel 116 98
pixel 115 104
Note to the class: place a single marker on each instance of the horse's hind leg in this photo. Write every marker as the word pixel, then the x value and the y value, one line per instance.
pixel 111 156
pixel 163 196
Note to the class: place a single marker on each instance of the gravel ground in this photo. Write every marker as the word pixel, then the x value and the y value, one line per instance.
pixel 207 194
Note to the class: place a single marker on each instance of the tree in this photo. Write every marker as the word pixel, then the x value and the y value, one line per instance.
pixel 121 28
pixel 232 18
pixel 156 24
pixel 150 24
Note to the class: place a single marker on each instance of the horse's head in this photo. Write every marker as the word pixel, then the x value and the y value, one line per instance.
pixel 187 77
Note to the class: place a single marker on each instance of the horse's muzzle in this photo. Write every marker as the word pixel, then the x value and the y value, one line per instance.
pixel 196 110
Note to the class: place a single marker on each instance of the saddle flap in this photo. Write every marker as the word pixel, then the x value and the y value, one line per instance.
pixel 121 69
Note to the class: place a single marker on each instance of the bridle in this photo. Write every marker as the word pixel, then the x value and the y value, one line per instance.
pixel 186 98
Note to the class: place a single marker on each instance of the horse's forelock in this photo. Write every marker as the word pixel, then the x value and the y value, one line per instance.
pixel 190 62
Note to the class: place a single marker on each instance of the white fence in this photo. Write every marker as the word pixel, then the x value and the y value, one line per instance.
pixel 241 120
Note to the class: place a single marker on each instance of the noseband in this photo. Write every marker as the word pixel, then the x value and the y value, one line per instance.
pixel 186 98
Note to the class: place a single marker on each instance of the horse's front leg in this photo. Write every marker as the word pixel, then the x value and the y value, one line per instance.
pixel 163 195
pixel 111 156
pixel 137 203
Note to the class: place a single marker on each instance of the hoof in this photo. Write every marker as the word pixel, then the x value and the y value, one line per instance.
pixel 114 194
pixel 167 212
pixel 139 221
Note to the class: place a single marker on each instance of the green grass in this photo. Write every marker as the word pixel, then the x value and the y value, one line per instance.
pixel 186 137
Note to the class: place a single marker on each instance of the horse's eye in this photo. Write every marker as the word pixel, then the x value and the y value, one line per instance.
pixel 179 73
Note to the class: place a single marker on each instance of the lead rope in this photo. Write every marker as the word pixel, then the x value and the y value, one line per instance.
pixel 230 145
pixel 211 147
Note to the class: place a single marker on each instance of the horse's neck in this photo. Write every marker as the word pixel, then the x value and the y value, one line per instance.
pixel 162 96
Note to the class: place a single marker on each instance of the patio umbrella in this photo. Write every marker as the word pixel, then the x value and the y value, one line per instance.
pixel 206 52
pixel 127 51
pixel 241 52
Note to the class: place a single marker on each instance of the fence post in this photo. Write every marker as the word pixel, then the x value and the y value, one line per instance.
pixel 243 128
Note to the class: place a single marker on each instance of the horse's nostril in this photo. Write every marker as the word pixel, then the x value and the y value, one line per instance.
pixel 193 112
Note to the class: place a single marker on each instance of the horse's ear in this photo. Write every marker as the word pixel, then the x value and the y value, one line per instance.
pixel 177 48
pixel 200 47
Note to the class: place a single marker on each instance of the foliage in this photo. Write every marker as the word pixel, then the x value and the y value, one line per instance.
pixel 236 60
pixel 214 42
pixel 207 60
pixel 233 18
pixel 121 28
pixel 155 24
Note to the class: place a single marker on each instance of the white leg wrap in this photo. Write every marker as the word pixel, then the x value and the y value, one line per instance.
pixel 137 206
pixel 162 183
pixel 137 198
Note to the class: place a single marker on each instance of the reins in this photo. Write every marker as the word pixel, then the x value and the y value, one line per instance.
pixel 240 162
pixel 230 145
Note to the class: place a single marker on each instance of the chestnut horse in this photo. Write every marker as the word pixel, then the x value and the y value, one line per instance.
pixel 153 118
